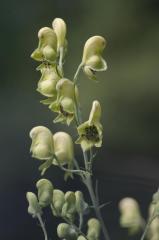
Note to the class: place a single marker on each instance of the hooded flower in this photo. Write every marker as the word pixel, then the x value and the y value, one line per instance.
pixel 48 81
pixel 59 27
pixel 92 60
pixel 90 132
pixel 64 151
pixel 94 228
pixel 42 146
pixel 47 48
pixel 64 105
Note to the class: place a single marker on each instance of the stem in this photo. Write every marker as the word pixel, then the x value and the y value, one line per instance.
pixel 61 59
pixel 42 226
pixel 89 186
pixel 147 227
pixel 77 72
pixel 87 178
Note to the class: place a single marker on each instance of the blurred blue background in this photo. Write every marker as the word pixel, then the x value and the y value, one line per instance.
pixel 128 163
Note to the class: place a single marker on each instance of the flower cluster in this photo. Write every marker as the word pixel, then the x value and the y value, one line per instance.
pixel 56 149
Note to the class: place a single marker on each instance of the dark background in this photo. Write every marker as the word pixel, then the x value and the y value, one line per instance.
pixel 128 163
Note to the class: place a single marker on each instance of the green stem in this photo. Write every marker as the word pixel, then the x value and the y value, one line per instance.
pixel 61 60
pixel 77 73
pixel 147 227
pixel 89 186
pixel 42 226
pixel 87 178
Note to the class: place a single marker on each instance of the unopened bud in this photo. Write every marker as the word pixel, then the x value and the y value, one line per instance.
pixel 81 205
pixel 58 201
pixel 45 192
pixel 69 207
pixel 66 231
pixel 34 208
pixel 93 232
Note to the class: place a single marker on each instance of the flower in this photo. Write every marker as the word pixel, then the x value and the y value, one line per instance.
pixel 34 208
pixel 94 227
pixel 130 215
pixel 64 105
pixel 92 60
pixel 58 201
pixel 48 81
pixel 64 151
pixel 59 26
pixel 47 48
pixel 42 146
pixel 45 192
pixel 90 132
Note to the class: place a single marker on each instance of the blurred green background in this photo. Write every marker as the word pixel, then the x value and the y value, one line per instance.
pixel 128 92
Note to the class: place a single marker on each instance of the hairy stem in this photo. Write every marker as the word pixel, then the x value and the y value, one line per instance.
pixel 42 226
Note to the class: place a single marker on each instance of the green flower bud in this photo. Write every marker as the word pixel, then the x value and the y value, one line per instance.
pixel 45 192
pixel 42 146
pixel 69 207
pixel 93 232
pixel 59 27
pixel 48 81
pixel 130 215
pixel 65 105
pixel 34 208
pixel 81 205
pixel 91 131
pixel 66 231
pixel 58 201
pixel 92 60
pixel 47 47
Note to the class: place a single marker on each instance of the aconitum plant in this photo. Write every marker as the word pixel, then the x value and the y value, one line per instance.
pixel 61 95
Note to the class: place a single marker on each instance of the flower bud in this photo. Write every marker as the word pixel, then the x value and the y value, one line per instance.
pixel 66 231
pixel 47 82
pixel 34 207
pixel 93 232
pixel 58 201
pixel 45 192
pixel 130 215
pixel 95 114
pixel 42 143
pixel 59 27
pixel 47 46
pixel 81 205
pixel 69 207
